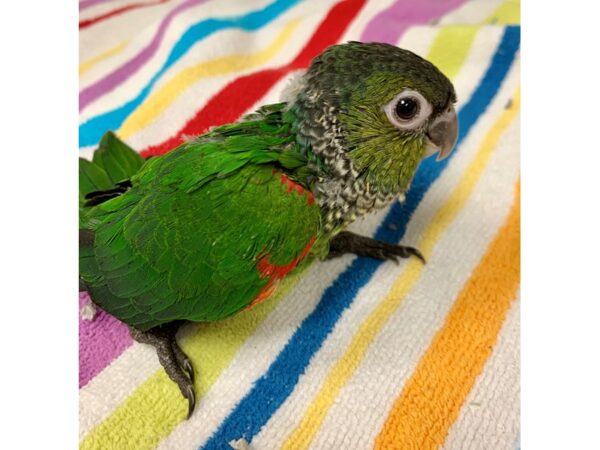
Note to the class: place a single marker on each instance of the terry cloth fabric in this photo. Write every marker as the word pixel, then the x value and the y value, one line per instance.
pixel 357 353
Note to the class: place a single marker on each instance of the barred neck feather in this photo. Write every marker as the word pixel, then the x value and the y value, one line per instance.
pixel 344 194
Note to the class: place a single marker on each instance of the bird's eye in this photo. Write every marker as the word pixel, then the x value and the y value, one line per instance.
pixel 408 110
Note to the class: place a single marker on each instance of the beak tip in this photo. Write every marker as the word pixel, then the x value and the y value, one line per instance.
pixel 443 133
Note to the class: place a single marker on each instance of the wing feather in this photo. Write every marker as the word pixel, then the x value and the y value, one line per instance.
pixel 192 236
pixel 179 254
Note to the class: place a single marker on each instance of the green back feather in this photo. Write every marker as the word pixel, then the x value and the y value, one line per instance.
pixel 186 240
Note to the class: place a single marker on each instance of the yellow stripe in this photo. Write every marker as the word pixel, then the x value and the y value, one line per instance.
pixel 432 398
pixel 156 407
pixel 508 13
pixel 163 97
pixel 303 435
pixel 87 65
pixel 451 47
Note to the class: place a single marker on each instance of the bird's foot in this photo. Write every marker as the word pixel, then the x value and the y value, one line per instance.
pixel 171 357
pixel 348 242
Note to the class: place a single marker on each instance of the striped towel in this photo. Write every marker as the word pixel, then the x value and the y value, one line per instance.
pixel 358 353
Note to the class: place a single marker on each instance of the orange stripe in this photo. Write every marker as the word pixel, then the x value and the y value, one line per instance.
pixel 432 398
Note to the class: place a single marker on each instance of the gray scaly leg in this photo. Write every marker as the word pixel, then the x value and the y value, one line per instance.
pixel 171 357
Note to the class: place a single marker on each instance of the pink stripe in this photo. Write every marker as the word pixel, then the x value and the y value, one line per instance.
pixel 101 341
pixel 119 75
pixel 391 23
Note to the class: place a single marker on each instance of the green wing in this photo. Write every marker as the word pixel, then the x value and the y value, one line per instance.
pixel 197 237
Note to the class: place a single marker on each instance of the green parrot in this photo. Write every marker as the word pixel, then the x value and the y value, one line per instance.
pixel 210 228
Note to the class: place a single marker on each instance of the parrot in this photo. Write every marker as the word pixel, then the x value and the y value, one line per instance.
pixel 211 227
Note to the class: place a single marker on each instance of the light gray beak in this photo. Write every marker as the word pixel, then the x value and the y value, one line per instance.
pixel 442 134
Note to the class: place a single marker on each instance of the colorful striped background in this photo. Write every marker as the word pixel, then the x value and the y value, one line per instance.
pixel 356 354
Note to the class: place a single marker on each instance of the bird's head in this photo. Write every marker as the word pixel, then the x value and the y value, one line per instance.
pixel 377 110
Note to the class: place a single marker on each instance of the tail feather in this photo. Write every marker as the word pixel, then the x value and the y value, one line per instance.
pixel 108 174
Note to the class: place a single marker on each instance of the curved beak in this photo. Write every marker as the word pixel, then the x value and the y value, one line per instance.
pixel 442 134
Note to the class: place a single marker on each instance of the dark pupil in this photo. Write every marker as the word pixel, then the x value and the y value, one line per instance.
pixel 406 108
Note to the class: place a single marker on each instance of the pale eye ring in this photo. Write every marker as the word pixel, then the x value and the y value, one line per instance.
pixel 408 110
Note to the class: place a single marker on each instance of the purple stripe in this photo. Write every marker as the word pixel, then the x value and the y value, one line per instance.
pixel 85 4
pixel 101 341
pixel 391 23
pixel 118 76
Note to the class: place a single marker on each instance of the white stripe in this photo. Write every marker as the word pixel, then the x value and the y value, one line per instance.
pixel 473 12
pixel 491 414
pixel 274 94
pixel 419 39
pixel 106 34
pixel 107 390
pixel 291 412
pixel 87 152
pixel 393 356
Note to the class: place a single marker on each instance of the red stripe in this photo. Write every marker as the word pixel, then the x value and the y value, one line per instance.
pixel 115 12
pixel 239 95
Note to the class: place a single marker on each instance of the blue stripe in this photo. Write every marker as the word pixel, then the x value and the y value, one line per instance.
pixel 91 131
pixel 273 388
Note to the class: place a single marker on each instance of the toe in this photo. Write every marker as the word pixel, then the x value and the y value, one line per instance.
pixel 415 252
pixel 188 392
pixel 186 365
pixel 406 252
pixel 183 360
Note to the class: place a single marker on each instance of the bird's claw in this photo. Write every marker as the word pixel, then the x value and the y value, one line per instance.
pixel 190 395
pixel 186 365
pixel 407 252
pixel 183 361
